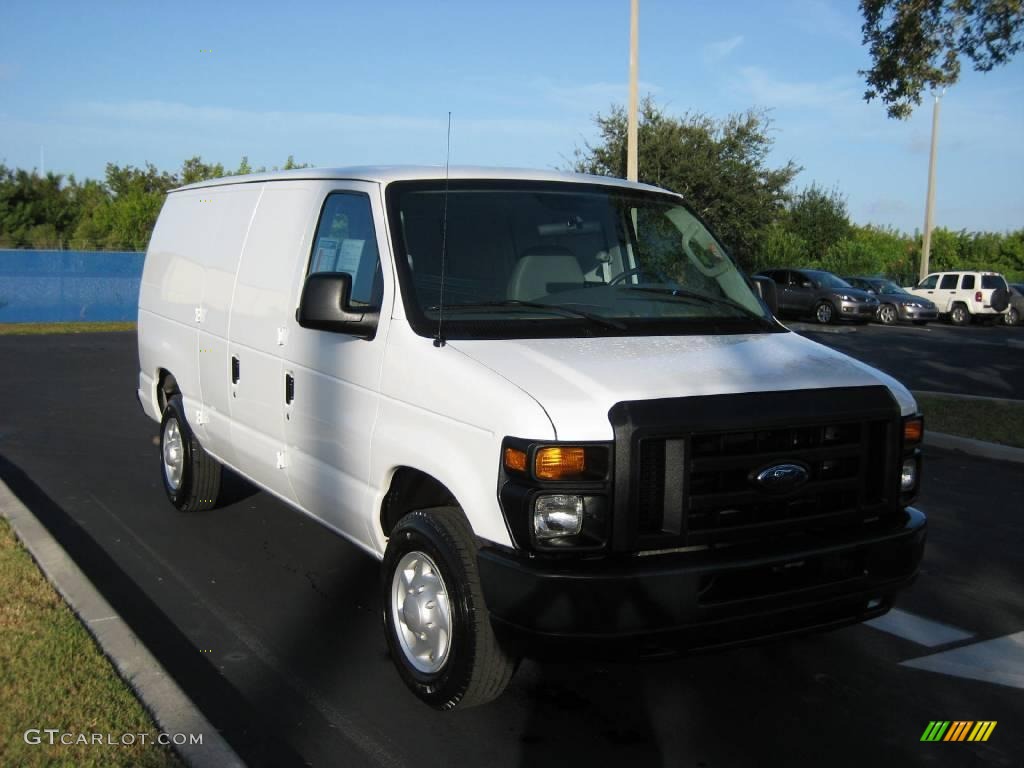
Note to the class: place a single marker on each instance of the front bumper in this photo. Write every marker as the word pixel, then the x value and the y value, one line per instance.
pixel 700 599
pixel 916 313
pixel 858 309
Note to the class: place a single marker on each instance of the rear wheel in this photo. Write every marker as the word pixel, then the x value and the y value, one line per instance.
pixel 437 625
pixel 959 315
pixel 191 477
pixel 887 314
pixel 824 313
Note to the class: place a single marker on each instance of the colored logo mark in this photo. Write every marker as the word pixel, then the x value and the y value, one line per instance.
pixel 958 730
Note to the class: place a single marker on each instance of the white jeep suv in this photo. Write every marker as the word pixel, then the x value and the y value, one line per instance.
pixel 963 295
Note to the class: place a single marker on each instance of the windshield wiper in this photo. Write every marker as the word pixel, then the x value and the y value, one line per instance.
pixel 517 304
pixel 685 293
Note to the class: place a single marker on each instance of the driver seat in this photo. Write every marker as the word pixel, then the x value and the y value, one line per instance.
pixel 541 267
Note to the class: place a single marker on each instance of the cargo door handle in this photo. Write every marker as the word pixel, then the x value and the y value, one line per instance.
pixel 289 388
pixel 236 369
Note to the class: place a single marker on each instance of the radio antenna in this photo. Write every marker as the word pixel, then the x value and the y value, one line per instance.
pixel 439 339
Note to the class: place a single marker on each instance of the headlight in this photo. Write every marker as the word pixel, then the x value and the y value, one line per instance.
pixel 908 477
pixel 910 304
pixel 844 297
pixel 557 515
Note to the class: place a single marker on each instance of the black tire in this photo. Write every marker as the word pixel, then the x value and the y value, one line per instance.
pixel 888 314
pixel 959 315
pixel 199 485
pixel 476 668
pixel 825 313
pixel 1000 299
pixel 1012 317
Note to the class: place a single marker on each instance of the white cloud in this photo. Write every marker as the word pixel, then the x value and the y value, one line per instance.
pixel 588 98
pixel 767 90
pixel 715 52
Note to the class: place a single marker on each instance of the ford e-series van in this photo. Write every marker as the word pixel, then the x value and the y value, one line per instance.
pixel 550 404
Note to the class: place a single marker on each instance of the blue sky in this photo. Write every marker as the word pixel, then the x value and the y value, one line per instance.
pixel 344 83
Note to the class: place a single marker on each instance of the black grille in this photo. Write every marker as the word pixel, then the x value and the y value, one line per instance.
pixel 697 486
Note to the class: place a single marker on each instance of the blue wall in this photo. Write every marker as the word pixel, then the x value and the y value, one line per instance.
pixel 51 286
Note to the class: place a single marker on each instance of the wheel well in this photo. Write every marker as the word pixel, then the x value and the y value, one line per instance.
pixel 411 489
pixel 166 387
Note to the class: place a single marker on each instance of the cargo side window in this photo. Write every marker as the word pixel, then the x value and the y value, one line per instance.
pixel 967 283
pixel 347 242
pixel 948 282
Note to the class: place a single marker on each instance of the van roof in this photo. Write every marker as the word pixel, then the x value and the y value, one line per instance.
pixel 384 174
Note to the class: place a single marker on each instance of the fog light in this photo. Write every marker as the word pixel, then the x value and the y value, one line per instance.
pixel 557 515
pixel 908 478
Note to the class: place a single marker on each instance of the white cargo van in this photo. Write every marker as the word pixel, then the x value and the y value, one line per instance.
pixel 550 404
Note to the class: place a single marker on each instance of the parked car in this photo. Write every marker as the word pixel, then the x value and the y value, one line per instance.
pixel 549 404
pixel 1015 313
pixel 963 296
pixel 822 295
pixel 894 303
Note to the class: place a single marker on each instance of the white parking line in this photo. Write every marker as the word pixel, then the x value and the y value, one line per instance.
pixel 999 661
pixel 917 629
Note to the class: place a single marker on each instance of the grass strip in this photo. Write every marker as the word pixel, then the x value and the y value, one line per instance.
pixel 31 329
pixel 991 421
pixel 53 675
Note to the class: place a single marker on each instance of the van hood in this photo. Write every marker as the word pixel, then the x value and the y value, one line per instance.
pixel 577 381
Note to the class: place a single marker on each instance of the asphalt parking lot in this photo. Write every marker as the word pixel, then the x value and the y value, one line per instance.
pixel 972 360
pixel 298 673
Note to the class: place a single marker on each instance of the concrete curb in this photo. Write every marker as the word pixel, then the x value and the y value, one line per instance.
pixel 974 447
pixel 170 706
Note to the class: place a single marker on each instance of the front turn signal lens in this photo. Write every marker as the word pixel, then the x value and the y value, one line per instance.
pixel 913 430
pixel 559 463
pixel 515 460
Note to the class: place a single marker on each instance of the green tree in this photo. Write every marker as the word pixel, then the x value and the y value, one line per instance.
pixel 719 166
pixel 194 169
pixel 916 45
pixel 290 164
pixel 819 218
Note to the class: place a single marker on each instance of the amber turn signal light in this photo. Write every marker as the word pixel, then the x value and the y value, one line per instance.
pixel 558 463
pixel 515 459
pixel 913 430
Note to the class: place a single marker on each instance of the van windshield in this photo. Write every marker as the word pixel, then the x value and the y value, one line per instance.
pixel 529 259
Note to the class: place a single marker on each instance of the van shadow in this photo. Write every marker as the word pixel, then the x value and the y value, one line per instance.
pixel 586 713
pixel 245 729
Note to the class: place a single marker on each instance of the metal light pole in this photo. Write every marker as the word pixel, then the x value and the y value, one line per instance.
pixel 631 128
pixel 929 210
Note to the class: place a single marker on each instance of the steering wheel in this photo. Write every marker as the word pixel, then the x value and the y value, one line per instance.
pixel 637 271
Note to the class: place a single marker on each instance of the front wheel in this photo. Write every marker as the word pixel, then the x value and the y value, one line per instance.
pixel 959 315
pixel 887 314
pixel 190 475
pixel 437 625
pixel 824 313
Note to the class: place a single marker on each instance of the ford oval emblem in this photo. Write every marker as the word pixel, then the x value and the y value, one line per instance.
pixel 781 478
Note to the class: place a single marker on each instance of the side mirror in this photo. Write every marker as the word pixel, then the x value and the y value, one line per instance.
pixel 766 289
pixel 325 306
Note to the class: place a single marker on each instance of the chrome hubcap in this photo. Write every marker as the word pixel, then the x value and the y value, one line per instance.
pixel 173 454
pixel 420 612
pixel 888 314
pixel 824 313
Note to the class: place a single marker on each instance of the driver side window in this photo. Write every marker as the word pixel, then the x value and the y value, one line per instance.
pixel 929 282
pixel 346 242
